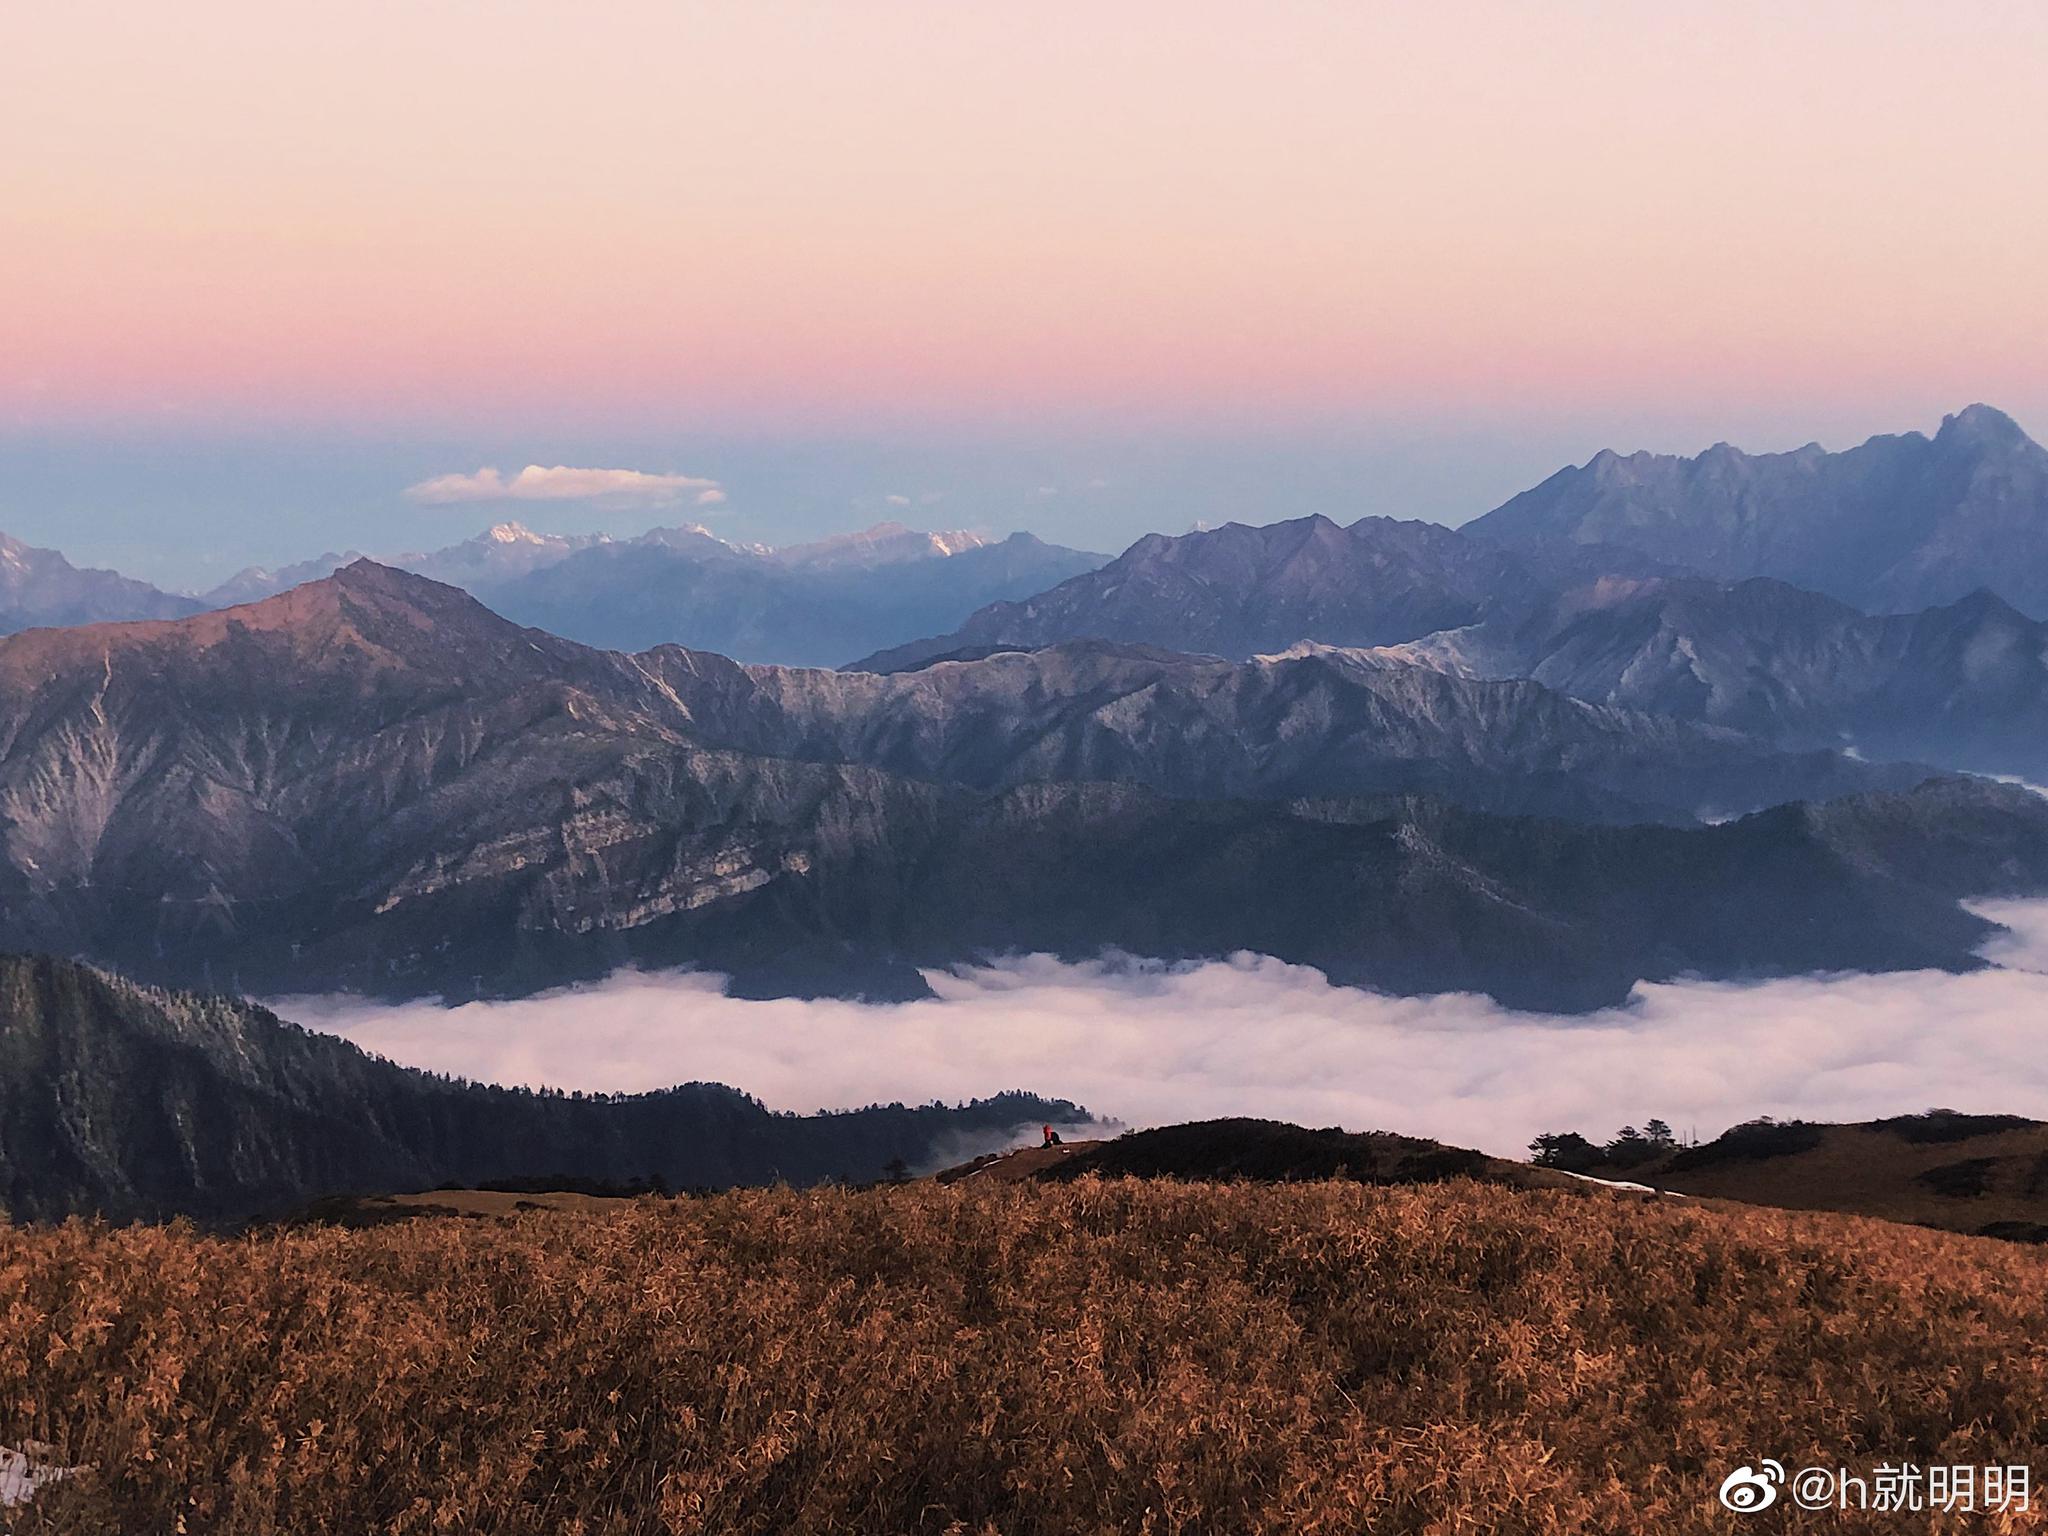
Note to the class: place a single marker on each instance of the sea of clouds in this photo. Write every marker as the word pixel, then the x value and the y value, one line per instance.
pixel 1151 1044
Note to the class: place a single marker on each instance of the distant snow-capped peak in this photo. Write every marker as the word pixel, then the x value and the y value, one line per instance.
pixel 519 533
pixel 889 543
pixel 956 541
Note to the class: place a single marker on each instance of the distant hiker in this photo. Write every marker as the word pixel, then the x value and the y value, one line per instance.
pixel 1052 1137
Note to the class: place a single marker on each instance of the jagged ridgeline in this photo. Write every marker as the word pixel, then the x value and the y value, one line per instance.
pixel 1897 525
pixel 373 783
pixel 137 1103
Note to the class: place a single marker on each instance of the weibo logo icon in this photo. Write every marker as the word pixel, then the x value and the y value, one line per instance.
pixel 1749 1489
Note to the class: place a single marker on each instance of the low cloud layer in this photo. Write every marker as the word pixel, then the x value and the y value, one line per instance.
pixel 560 482
pixel 1151 1044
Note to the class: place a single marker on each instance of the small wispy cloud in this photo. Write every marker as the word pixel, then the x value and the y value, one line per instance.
pixel 562 482
pixel 896 499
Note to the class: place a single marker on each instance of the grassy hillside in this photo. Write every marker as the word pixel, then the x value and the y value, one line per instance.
pixel 1095 1356
pixel 1274 1151
pixel 1266 1151
pixel 1982 1174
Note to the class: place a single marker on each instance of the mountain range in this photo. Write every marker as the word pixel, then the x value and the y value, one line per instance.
pixel 1313 720
pixel 1240 591
pixel 1603 608
pixel 1544 758
pixel 1964 685
pixel 1898 524
pixel 40 587
pixel 134 1103
pixel 373 782
pixel 501 553
pixel 814 604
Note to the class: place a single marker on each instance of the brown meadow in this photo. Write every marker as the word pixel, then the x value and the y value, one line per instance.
pixel 1097 1357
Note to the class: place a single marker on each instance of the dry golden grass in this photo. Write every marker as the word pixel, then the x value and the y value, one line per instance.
pixel 1870 1172
pixel 1090 1358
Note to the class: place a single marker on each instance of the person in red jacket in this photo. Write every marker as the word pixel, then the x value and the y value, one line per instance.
pixel 1052 1137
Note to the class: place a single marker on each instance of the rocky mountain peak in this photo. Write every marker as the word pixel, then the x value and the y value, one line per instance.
pixel 1981 425
pixel 1983 606
pixel 40 587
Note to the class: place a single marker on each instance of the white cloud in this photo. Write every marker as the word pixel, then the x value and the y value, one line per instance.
pixel 1152 1044
pixel 560 482
pixel 2024 944
pixel 896 500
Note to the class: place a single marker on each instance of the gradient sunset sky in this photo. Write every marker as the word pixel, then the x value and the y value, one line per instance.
pixel 1086 268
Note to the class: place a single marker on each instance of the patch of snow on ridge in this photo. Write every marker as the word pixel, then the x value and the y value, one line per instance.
pixel 1628 1184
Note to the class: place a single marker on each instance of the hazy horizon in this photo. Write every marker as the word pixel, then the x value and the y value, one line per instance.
pixel 1088 271
pixel 186 512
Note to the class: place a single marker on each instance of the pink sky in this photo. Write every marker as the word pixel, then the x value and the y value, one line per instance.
pixel 798 215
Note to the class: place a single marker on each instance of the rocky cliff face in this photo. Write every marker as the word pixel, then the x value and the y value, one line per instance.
pixel 1896 525
pixel 1964 686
